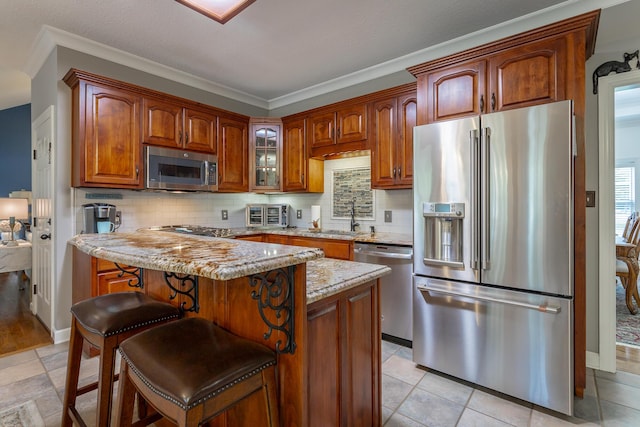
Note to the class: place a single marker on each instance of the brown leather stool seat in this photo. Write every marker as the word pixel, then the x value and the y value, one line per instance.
pixel 191 370
pixel 105 321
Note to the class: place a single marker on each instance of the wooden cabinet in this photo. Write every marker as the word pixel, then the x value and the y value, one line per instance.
pixel 337 130
pixel 524 74
pixel 169 123
pixel 332 248
pixel 265 155
pixel 299 172
pixel 344 391
pixel 233 175
pixel 391 144
pixel 106 149
pixel 252 237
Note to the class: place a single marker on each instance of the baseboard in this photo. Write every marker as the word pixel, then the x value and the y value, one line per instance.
pixel 593 360
pixel 61 335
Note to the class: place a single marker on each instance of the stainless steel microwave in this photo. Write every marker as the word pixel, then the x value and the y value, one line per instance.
pixel 268 215
pixel 180 170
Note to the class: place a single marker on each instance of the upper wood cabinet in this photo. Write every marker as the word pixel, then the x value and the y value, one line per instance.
pixel 337 129
pixel 233 175
pixel 170 124
pixel 105 144
pixel 299 172
pixel 265 155
pixel 524 70
pixel 391 144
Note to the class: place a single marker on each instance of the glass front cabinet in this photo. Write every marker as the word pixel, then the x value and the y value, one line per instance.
pixel 265 155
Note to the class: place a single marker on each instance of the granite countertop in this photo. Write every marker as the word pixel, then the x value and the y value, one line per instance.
pixel 356 236
pixel 328 276
pixel 215 258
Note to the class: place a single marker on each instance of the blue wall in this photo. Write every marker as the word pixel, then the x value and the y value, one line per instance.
pixel 15 149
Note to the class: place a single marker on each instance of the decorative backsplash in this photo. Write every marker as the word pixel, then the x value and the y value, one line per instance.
pixel 350 184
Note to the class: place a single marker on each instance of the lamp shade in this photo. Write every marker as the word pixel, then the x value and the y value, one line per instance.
pixel 14 207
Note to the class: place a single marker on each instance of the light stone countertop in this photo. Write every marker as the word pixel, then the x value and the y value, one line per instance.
pixel 225 259
pixel 215 258
pixel 356 236
pixel 328 276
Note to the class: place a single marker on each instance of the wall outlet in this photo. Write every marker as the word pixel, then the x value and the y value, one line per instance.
pixel 118 218
pixel 299 214
pixel 225 214
pixel 387 216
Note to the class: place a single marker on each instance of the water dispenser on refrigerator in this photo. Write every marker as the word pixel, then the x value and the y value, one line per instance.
pixel 443 234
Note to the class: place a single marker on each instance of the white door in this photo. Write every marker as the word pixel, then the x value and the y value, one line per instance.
pixel 42 131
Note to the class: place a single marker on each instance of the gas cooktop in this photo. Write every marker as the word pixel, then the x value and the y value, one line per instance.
pixel 196 230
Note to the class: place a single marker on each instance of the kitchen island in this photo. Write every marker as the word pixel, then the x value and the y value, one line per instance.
pixel 320 315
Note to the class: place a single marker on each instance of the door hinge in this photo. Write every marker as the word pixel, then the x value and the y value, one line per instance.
pixel 35 289
pixel 35 156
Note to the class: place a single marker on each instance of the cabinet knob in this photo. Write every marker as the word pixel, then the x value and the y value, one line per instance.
pixel 493 102
pixel 482 103
pixel 399 171
pixel 186 137
pixel 45 236
pixel 394 172
pixel 180 136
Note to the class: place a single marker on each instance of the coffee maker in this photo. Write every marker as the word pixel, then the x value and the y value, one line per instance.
pixel 99 218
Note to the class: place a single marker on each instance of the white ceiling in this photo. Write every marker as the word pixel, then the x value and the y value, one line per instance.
pixel 275 51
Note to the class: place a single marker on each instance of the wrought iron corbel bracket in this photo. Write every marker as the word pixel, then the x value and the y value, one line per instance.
pixel 275 292
pixel 187 286
pixel 136 272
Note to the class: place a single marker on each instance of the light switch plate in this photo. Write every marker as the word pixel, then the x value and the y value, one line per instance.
pixel 299 214
pixel 591 199
pixel 387 216
pixel 225 214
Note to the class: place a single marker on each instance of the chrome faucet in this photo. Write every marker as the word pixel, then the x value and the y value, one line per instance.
pixel 354 224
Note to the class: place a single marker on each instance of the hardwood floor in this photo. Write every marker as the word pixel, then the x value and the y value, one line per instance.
pixel 19 329
pixel 628 359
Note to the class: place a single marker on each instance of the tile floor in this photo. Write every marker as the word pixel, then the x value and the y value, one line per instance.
pixel 412 396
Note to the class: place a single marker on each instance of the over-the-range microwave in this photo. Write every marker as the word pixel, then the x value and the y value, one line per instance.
pixel 180 170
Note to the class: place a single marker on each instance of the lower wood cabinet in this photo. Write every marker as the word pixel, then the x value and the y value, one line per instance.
pixel 344 359
pixel 332 248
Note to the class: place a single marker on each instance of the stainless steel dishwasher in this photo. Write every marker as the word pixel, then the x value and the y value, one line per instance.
pixel 395 289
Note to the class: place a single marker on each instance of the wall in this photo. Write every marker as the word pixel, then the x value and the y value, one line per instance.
pixel 145 209
pixel 619 20
pixel 15 146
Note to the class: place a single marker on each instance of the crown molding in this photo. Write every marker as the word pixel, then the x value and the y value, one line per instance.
pixel 50 37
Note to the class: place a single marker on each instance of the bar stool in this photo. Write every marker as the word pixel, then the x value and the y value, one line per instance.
pixel 105 321
pixel 191 370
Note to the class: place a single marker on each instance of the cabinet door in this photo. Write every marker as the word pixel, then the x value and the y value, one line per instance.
pixel 200 129
pixel 294 156
pixel 265 156
pixel 322 129
pixel 352 124
pixel 162 123
pixel 232 155
pixel 530 74
pixel 112 149
pixel 113 281
pixel 383 153
pixel 456 91
pixel 407 119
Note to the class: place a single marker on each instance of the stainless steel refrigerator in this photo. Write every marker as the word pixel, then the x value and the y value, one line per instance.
pixel 493 251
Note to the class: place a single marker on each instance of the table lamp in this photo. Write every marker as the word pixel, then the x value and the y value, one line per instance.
pixel 12 208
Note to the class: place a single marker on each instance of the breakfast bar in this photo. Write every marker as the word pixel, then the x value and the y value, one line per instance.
pixel 320 315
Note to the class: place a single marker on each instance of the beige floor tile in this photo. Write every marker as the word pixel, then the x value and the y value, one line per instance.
pixel 543 419
pixel 615 415
pixel 496 407
pixel 28 369
pixel 403 369
pixel 471 418
pixel 17 359
pixel 619 393
pixel 394 391
pixel 445 387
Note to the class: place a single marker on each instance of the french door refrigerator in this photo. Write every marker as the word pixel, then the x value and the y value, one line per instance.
pixel 493 251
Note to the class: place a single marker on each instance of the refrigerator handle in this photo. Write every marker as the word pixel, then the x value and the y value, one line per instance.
pixel 474 211
pixel 542 308
pixel 485 199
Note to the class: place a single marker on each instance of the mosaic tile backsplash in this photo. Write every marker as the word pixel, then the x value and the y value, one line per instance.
pixel 351 185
